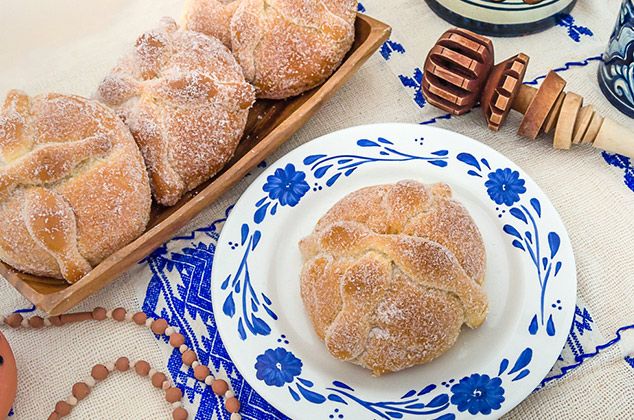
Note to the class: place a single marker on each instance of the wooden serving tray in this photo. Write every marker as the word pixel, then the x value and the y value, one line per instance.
pixel 270 124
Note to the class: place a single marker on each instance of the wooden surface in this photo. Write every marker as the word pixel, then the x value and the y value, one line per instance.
pixel 564 130
pixel 270 124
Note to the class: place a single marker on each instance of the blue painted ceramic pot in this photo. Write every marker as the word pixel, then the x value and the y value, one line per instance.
pixel 616 72
pixel 501 17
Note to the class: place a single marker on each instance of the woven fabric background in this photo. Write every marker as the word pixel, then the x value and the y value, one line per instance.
pixel 68 45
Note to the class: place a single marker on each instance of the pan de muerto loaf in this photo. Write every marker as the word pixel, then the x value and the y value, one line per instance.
pixel 184 98
pixel 287 47
pixel 391 273
pixel 73 186
pixel 211 17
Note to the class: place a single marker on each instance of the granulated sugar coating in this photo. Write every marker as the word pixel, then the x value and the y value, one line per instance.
pixel 287 47
pixel 391 272
pixel 184 98
pixel 73 186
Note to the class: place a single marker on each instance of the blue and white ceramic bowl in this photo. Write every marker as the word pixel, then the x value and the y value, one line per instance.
pixel 616 72
pixel 530 280
pixel 501 17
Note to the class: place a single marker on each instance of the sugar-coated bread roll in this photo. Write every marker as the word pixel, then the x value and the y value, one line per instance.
pixel 391 273
pixel 211 17
pixel 184 97
pixel 287 47
pixel 73 185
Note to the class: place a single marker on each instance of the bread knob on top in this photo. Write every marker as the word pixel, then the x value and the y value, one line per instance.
pixel 73 186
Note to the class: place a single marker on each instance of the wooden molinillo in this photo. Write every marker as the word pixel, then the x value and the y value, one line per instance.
pixel 459 72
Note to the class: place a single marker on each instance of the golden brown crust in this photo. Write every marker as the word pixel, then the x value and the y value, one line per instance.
pixel 73 186
pixel 184 98
pixel 287 47
pixel 383 287
pixel 211 17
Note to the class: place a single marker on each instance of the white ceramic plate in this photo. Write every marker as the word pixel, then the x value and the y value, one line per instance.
pixel 530 280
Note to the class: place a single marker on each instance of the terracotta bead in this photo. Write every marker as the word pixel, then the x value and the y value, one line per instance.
pixel 80 391
pixel 99 314
pixel 201 372
pixel 219 387
pixel 173 395
pixel 180 414
pixel 232 405
pixel 99 372
pixel 122 364
pixel 177 340
pixel 142 368
pixel 36 322
pixel 189 357
pixel 158 379
pixel 159 326
pixel 55 320
pixel 14 320
pixel 139 318
pixel 119 314
pixel 54 416
pixel 63 408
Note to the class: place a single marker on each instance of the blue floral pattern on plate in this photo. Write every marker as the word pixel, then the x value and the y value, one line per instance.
pixel 521 214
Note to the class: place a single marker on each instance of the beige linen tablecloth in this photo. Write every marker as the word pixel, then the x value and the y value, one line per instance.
pixel 68 45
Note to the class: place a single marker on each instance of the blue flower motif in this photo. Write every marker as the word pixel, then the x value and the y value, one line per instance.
pixel 277 367
pixel 505 186
pixel 286 185
pixel 478 394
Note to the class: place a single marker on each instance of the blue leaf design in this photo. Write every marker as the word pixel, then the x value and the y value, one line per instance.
pixel 550 326
pixel 274 209
pixel 350 171
pixel 441 163
pixel 270 312
pixel 534 326
pixel 244 232
pixel 311 396
pixel 256 239
pixel 337 398
pixel 342 161
pixel 243 334
pixel 448 416
pixel 312 159
pixel 469 160
pixel 503 366
pixel 521 375
pixel 473 173
pixel 523 360
pixel 225 283
pixel 518 244
pixel 415 406
pixel 529 236
pixel 518 214
pixel 512 231
pixel 408 394
pixel 236 287
pixel 260 213
pixel 254 307
pixel 439 400
pixel 426 390
pixel 333 179
pixel 537 206
pixel 261 201
pixel 259 326
pixel 383 153
pixel 229 307
pixel 339 384
pixel 485 162
pixel 319 173
pixel 384 141
pixel 557 267
pixel 544 262
pixel 366 143
pixel 306 382
pixel 553 243
pixel 394 414
pixel 440 153
pixel 294 394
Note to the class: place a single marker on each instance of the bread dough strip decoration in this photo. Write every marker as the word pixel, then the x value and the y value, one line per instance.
pixel 101 372
pixel 461 70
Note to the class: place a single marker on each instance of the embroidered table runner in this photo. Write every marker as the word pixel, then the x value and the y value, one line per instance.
pixel 68 45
